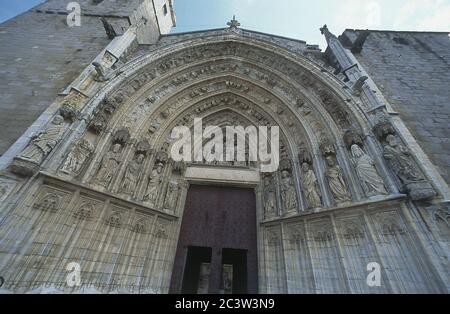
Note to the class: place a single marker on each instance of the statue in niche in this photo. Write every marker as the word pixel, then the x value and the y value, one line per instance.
pixel 132 174
pixel 77 157
pixel 310 187
pixel 336 181
pixel 365 168
pixel 270 203
pixel 171 196
pixel 288 194
pixel 401 160
pixel 153 184
pixel 109 166
pixel 43 143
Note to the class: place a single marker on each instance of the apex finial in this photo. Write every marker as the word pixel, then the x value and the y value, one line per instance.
pixel 324 29
pixel 234 23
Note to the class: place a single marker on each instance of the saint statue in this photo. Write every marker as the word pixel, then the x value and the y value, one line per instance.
pixel 109 166
pixel 365 168
pixel 288 194
pixel 42 143
pixel 77 157
pixel 132 174
pixel 270 203
pixel 153 184
pixel 171 196
pixel 310 187
pixel 400 160
pixel 336 181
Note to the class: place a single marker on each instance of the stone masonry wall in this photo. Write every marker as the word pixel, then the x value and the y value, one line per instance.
pixel 412 69
pixel 39 56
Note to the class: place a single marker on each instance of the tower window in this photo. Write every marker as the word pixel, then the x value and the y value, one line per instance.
pixel 165 9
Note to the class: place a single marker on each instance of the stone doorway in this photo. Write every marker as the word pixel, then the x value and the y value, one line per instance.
pixel 217 250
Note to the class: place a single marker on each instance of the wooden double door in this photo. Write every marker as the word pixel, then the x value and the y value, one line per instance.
pixel 217 249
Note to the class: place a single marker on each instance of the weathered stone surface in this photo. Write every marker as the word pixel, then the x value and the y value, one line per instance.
pixel 106 193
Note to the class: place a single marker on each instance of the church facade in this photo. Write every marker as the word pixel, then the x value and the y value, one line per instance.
pixel 358 204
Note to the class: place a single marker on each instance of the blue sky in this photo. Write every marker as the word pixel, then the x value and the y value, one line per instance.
pixel 299 19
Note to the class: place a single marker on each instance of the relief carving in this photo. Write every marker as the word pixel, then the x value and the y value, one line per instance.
pixel 49 202
pixel 270 203
pixel 132 174
pixel 402 162
pixel 109 166
pixel 310 186
pixel 76 158
pixel 41 144
pixel 336 181
pixel 70 107
pixel 171 200
pixel 154 182
pixel 85 211
pixel 370 180
pixel 288 194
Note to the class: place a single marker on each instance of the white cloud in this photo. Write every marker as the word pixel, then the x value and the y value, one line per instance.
pixel 357 14
pixel 438 21
pixel 423 15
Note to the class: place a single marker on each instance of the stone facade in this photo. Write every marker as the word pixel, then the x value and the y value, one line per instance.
pixel 96 183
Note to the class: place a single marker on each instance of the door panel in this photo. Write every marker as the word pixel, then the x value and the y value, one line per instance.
pixel 220 218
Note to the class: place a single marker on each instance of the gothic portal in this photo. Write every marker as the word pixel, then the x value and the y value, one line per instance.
pixel 93 182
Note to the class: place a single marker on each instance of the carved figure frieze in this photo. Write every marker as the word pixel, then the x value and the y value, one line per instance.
pixel 77 157
pixel 368 175
pixel 336 181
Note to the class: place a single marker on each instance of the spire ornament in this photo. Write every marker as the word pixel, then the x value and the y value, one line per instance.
pixel 233 24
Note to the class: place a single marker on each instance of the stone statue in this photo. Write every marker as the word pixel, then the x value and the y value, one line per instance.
pixel 153 184
pixel 365 168
pixel 336 181
pixel 132 174
pixel 401 160
pixel 310 187
pixel 77 156
pixel 42 143
pixel 109 166
pixel 270 203
pixel 171 196
pixel 288 194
